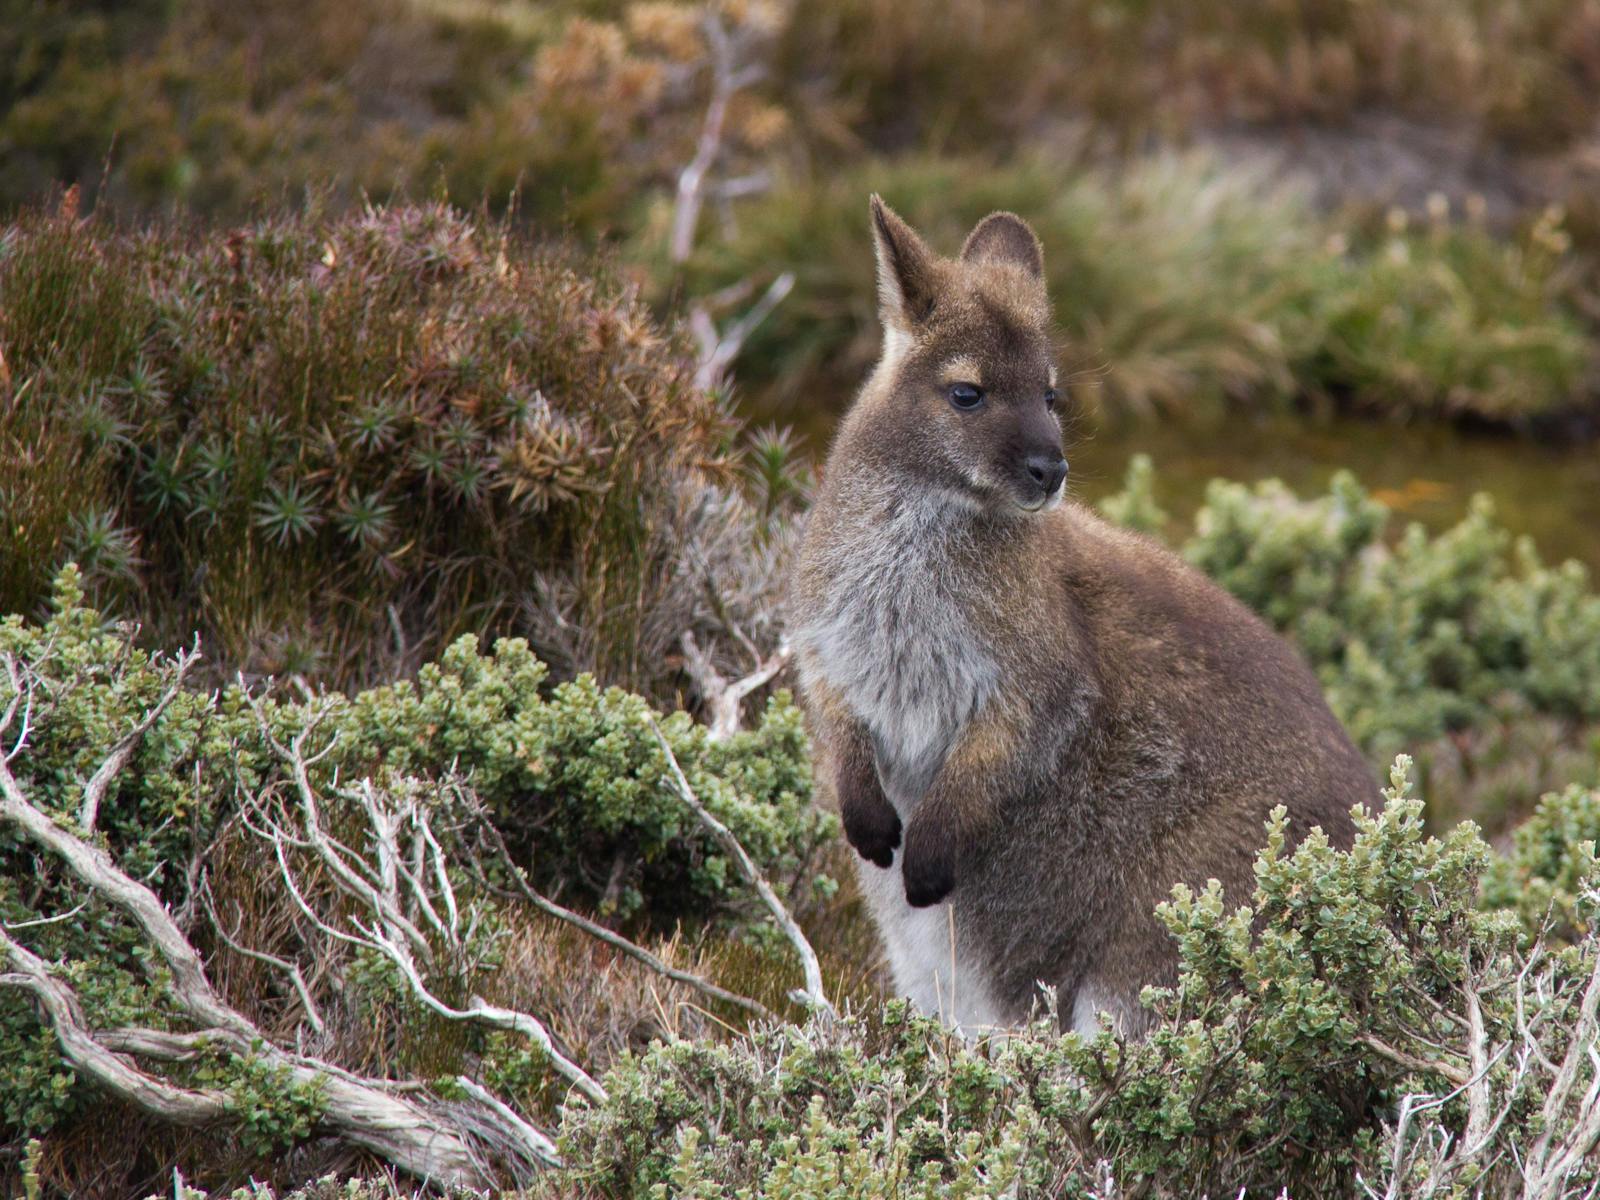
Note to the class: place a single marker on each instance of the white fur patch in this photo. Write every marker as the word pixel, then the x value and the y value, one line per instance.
pixel 897 343
pixel 926 957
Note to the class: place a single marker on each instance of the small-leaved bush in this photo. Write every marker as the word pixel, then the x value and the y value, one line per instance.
pixel 574 777
pixel 1365 1023
pixel 1299 1029
pixel 1314 1041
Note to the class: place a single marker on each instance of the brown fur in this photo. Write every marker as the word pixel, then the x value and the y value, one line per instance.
pixel 1120 723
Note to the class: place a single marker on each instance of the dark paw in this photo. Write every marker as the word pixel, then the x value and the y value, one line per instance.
pixel 929 871
pixel 874 831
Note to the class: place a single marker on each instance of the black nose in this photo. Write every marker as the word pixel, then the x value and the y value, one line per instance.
pixel 1049 471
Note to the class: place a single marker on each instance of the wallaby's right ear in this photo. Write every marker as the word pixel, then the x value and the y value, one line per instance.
pixel 906 275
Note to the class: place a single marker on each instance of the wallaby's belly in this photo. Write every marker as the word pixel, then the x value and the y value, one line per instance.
pixel 932 962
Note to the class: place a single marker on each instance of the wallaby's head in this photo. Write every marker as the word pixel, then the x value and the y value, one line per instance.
pixel 965 393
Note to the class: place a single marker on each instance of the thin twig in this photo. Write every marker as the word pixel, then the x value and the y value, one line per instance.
pixel 719 347
pixel 813 995
pixel 613 939
pixel 290 970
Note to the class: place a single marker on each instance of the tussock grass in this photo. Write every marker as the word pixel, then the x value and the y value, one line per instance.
pixel 1180 285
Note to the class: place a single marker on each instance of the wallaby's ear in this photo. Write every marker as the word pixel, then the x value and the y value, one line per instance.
pixel 906 275
pixel 1006 238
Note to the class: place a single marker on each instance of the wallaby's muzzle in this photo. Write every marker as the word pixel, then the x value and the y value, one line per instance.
pixel 1047 472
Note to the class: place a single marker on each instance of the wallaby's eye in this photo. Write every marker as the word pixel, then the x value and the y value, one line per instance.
pixel 966 396
pixel 1050 399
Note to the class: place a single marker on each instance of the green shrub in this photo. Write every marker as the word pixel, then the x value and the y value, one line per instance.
pixel 1366 1022
pixel 1297 1027
pixel 573 775
pixel 1179 285
pixel 332 445
pixel 576 776
pixel 1551 862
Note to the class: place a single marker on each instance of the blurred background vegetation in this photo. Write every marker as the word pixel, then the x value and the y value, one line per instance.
pixel 1317 209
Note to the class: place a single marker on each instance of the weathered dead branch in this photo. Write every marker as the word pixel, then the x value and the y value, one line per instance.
pixel 1549 1163
pixel 734 63
pixel 413 878
pixel 813 995
pixel 1505 1068
pixel 723 699
pixel 413 1134
pixel 361 1112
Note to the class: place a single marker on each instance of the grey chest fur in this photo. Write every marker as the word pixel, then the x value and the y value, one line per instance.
pixel 897 632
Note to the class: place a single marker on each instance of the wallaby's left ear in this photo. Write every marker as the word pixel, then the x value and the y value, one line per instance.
pixel 1006 238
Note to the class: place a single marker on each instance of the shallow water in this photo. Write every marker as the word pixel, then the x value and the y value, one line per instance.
pixel 1426 473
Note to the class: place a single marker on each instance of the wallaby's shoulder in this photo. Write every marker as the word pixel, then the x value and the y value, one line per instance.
pixel 1137 576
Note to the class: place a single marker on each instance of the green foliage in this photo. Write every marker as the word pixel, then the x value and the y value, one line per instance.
pixel 1450 321
pixel 1551 861
pixel 272 1111
pixel 1296 1026
pixel 1413 636
pixel 1135 506
pixel 574 775
pixel 334 445
pixel 188 100
pixel 102 686
pixel 1180 285
pixel 577 775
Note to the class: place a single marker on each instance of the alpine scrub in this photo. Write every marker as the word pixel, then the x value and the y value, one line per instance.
pixel 573 777
pixel 1365 1021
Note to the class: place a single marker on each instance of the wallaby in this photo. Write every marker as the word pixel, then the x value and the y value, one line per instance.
pixel 1031 719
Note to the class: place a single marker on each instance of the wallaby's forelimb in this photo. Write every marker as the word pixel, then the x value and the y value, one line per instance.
pixel 870 822
pixel 958 810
